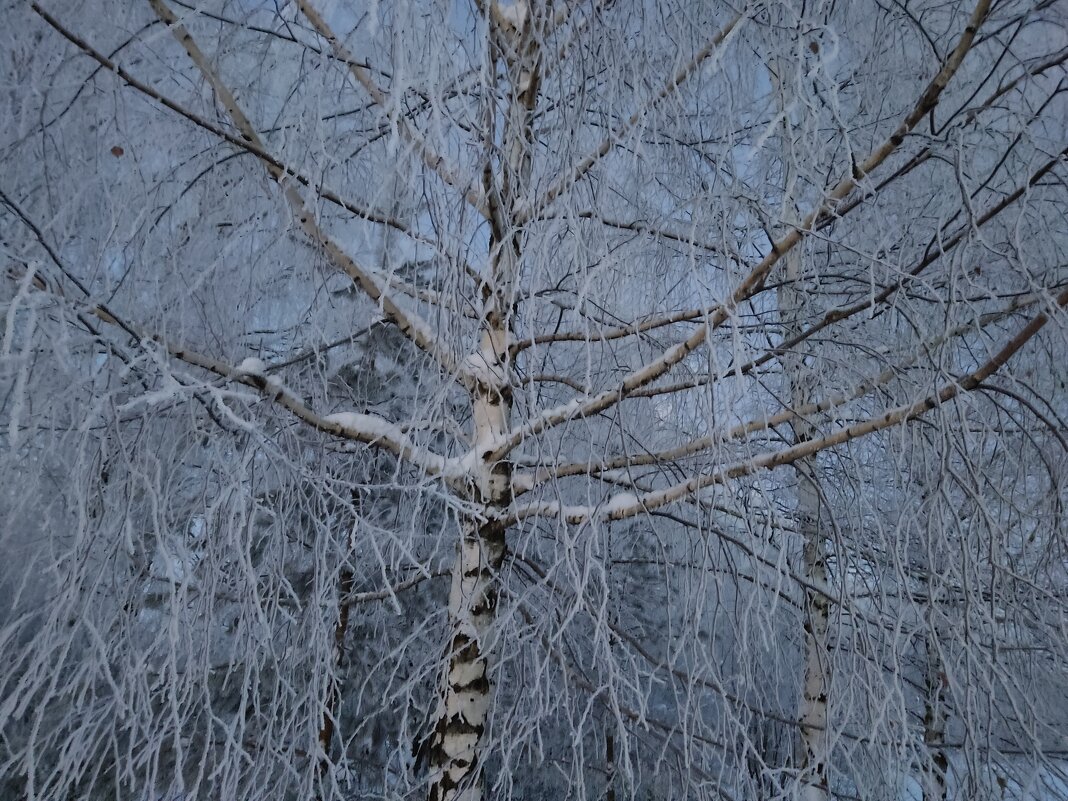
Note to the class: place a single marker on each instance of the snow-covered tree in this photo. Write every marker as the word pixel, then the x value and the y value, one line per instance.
pixel 565 398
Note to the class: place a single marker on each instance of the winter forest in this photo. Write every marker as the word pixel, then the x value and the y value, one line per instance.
pixel 562 399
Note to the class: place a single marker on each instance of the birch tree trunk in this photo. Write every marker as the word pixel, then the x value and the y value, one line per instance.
pixel 457 742
pixel 935 766
pixel 814 742
pixel 186 405
pixel 813 709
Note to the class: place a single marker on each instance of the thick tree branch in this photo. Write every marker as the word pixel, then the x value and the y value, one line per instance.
pixel 525 483
pixel 370 429
pixel 409 323
pixel 758 275
pixel 629 506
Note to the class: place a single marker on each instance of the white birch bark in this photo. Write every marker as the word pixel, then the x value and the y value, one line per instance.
pixel 936 766
pixel 814 748
pixel 814 742
pixel 458 740
pixel 475 321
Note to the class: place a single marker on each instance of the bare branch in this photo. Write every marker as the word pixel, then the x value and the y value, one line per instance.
pixel 410 324
pixel 758 275
pixel 525 483
pixel 253 147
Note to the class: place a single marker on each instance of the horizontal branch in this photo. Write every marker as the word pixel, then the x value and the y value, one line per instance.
pixel 370 429
pixel 625 506
pixel 525 483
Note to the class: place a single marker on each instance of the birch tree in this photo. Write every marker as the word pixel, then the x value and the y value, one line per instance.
pixel 588 399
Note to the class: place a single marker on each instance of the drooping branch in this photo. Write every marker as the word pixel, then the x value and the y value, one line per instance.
pixel 692 678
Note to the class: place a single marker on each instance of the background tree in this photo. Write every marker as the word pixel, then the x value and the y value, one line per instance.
pixel 714 353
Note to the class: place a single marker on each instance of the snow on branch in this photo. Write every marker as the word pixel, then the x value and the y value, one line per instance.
pixel 609 333
pixel 254 372
pixel 370 429
pixel 410 324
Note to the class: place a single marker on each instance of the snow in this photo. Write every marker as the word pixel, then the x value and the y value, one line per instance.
pixel 353 420
pixel 568 410
pixel 524 81
pixel 371 428
pixel 167 394
pixel 621 502
pixel 484 368
pixel 522 482
pixel 368 424
pixel 515 14
pixel 252 366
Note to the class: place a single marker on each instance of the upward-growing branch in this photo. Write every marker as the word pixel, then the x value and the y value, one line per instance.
pixel 754 281
pixel 767 421
pixel 575 173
